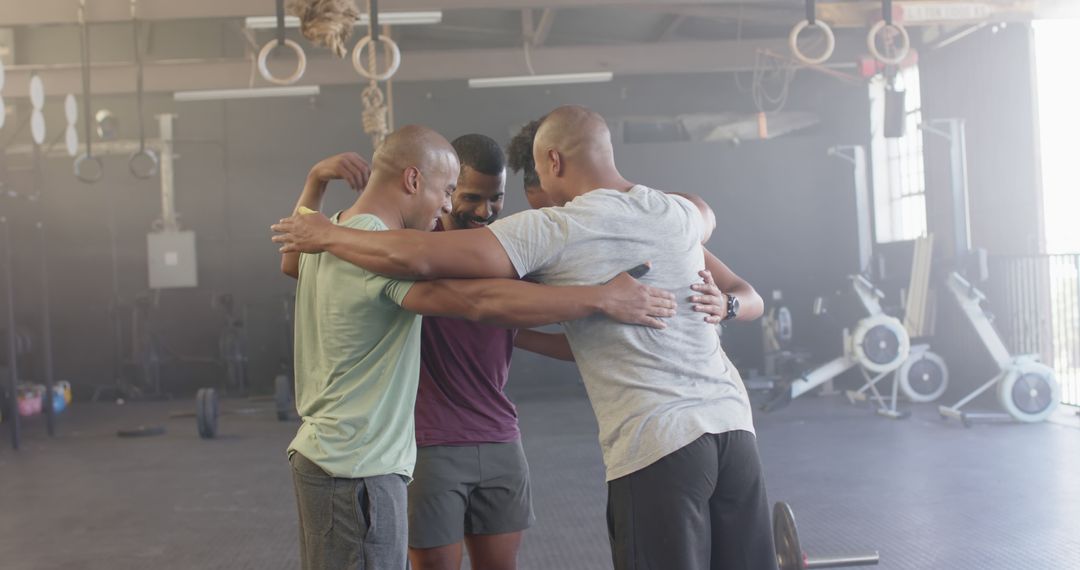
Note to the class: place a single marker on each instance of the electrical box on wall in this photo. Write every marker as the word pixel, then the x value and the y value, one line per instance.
pixel 171 259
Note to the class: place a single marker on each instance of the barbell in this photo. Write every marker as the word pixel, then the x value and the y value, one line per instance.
pixel 791 556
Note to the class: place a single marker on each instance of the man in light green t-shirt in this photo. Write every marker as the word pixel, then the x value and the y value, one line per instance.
pixel 357 351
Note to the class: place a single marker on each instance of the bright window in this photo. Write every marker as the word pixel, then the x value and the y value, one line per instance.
pixel 898 168
pixel 1056 45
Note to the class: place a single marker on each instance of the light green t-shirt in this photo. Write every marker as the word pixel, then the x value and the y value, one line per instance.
pixel 357 357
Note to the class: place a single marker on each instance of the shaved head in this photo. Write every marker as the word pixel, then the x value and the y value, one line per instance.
pixel 573 154
pixel 416 169
pixel 576 132
pixel 411 145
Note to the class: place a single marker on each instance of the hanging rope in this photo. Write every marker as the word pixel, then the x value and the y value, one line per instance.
pixel 327 23
pixel 375 114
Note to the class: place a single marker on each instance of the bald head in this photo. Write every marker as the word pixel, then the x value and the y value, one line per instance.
pixel 416 170
pixel 411 145
pixel 575 132
pixel 573 154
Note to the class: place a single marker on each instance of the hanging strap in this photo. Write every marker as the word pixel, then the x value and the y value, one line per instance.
pixel 373 21
pixel 886 12
pixel 811 12
pixel 138 77
pixel 280 5
pixel 84 35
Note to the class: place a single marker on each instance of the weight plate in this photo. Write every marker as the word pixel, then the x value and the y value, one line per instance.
pixel 37 126
pixel 923 377
pixel 283 396
pixel 206 412
pixel 789 555
pixel 71 109
pixel 1029 392
pixel 71 141
pixel 37 93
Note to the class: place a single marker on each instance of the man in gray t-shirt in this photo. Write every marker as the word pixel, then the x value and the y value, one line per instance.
pixel 685 484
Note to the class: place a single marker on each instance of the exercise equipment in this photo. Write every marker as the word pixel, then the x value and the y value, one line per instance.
pixel 326 23
pixel 1027 389
pixel 232 344
pixel 208 409
pixel 37 116
pixel 142 163
pixel 877 346
pixel 71 134
pixel 283 397
pixel 376 114
pixel 281 41
pixel 899 53
pixel 284 385
pixel 791 556
pixel 88 168
pixel 923 377
pixel 12 414
pixel 206 412
pixel 811 21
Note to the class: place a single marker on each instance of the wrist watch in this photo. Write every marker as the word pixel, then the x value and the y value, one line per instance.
pixel 732 307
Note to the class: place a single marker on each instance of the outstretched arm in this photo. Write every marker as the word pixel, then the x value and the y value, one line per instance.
pixel 552 345
pixel 402 254
pixel 520 304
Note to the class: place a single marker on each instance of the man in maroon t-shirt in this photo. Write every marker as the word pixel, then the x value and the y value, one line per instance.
pixel 471 481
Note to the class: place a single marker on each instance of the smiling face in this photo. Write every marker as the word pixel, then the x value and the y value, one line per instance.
pixel 477 200
pixel 435 187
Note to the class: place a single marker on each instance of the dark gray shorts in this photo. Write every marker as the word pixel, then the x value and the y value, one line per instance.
pixel 702 507
pixel 357 524
pixel 473 489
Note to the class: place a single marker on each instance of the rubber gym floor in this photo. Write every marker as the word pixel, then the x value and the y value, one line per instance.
pixel 923 492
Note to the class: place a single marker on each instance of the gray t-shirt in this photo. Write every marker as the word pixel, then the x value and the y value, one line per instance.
pixel 653 391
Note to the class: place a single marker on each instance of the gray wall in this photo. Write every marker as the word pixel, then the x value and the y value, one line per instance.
pixel 988 79
pixel 785 209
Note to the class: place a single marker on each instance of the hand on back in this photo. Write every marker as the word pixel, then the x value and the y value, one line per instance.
pixel 629 301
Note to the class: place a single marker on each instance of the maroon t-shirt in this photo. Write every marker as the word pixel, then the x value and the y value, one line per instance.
pixel 463 371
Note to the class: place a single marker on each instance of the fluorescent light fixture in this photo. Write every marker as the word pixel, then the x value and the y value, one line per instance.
pixel 256 93
pixel 385 18
pixel 550 79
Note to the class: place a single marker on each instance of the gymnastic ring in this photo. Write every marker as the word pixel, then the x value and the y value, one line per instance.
pixel 147 172
pixel 301 62
pixel 905 43
pixel 830 42
pixel 80 171
pixel 395 59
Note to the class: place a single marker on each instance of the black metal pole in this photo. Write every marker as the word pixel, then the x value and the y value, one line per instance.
pixel 46 313
pixel 13 367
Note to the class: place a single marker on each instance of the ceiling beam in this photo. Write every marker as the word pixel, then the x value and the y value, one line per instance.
pixel 623 59
pixel 39 12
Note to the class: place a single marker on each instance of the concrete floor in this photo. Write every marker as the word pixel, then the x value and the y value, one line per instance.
pixel 925 493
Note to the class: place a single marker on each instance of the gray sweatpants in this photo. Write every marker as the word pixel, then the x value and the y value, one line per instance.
pixel 358 524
